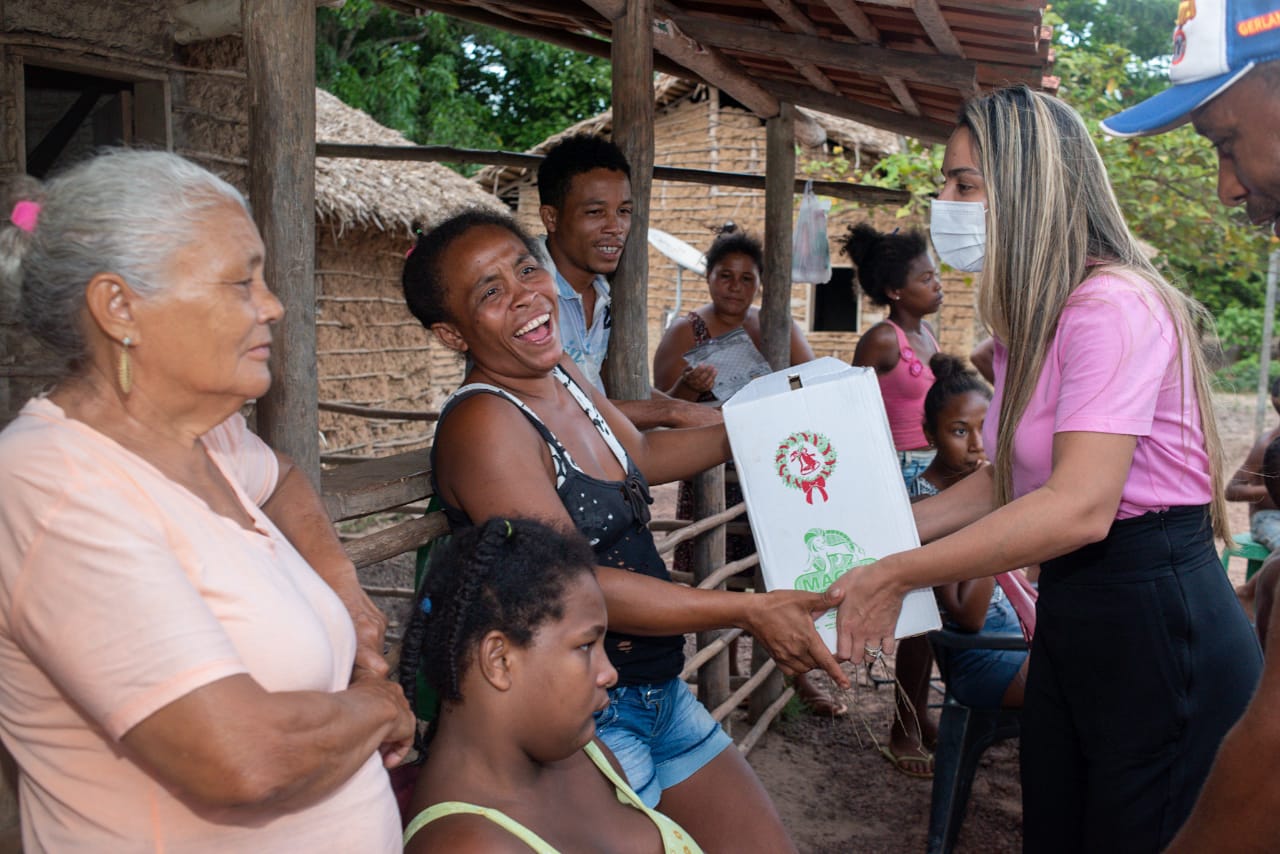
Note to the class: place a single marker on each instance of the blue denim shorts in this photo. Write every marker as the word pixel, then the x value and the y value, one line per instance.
pixel 914 462
pixel 661 735
pixel 979 677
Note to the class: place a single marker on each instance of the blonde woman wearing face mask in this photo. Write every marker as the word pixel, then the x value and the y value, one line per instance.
pixel 1106 472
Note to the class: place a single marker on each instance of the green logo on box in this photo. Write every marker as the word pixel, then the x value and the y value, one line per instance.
pixel 831 554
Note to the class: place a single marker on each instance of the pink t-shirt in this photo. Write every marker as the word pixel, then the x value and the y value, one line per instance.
pixel 120 592
pixel 1115 366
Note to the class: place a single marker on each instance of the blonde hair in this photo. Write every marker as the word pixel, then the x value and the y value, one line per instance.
pixel 1051 213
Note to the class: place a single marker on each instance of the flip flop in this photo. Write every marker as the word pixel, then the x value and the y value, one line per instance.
pixel 908 763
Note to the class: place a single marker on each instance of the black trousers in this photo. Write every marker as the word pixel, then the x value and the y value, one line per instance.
pixel 1142 660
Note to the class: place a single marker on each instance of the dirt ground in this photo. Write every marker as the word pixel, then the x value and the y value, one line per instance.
pixel 835 791
pixel 833 788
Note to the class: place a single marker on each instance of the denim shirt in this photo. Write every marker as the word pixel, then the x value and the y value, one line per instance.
pixel 586 347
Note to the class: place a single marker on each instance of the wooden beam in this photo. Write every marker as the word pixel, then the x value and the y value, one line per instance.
pixel 920 127
pixel 855 19
pixel 712 66
pixel 708 555
pixel 797 20
pixel 898 87
pixel 279 46
pixel 430 153
pixel 572 41
pixel 864 59
pixel 935 24
pixel 210 19
pixel 626 374
pixel 371 486
pixel 779 198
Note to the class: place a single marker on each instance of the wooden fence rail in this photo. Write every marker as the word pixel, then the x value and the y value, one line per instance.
pixel 402 482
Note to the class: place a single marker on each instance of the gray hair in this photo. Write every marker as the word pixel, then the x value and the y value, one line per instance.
pixel 122 211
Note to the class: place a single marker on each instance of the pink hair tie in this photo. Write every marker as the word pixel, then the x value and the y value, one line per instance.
pixel 25 214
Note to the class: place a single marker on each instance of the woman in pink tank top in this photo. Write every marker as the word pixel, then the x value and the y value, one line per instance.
pixel 896 270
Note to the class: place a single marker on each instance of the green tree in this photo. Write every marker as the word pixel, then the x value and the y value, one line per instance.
pixel 442 81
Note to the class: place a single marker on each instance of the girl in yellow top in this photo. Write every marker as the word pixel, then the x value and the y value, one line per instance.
pixel 510 632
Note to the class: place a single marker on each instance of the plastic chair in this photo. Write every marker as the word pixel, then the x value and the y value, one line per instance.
pixel 1246 547
pixel 964 732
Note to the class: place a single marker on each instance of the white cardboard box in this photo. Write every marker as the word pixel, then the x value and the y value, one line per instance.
pixel 822 483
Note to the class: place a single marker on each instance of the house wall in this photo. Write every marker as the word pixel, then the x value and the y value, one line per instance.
pixel 370 349
pixel 202 114
pixel 703 134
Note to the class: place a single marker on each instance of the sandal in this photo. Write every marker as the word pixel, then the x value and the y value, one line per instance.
pixel 919 765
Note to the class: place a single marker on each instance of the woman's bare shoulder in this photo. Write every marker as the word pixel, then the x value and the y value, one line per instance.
pixel 465 833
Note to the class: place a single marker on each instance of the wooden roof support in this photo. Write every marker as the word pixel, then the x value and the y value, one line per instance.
pixel 861 193
pixel 860 25
pixel 787 11
pixel 626 373
pixel 779 198
pixel 930 16
pixel 865 59
pixel 572 41
pixel 707 64
pixel 279 45
pixel 921 127
pixel 855 19
pixel 898 87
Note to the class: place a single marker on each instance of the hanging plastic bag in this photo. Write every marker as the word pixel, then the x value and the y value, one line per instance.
pixel 810 251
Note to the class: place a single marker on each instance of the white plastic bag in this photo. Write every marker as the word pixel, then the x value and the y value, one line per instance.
pixel 810 251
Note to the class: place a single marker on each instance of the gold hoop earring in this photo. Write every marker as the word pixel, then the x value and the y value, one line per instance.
pixel 124 370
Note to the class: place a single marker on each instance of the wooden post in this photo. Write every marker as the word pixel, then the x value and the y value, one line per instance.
pixel 779 196
pixel 279 42
pixel 775 310
pixel 626 370
pixel 708 556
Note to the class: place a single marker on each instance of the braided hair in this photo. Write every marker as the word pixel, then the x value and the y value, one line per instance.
pixel 881 260
pixel 505 575
pixel 951 379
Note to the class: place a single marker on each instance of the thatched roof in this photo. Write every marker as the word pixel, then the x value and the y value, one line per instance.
pixel 668 91
pixel 383 194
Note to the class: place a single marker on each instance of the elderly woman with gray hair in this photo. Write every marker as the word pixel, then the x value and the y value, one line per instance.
pixel 186 660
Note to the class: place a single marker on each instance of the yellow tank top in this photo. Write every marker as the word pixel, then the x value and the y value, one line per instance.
pixel 674 839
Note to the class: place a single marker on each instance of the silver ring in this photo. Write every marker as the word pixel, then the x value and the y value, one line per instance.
pixel 874 651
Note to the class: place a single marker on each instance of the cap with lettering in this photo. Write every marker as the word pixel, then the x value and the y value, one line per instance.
pixel 1215 43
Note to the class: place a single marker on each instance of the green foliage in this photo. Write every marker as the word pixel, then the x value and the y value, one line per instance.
pixel 1240 331
pixel 446 82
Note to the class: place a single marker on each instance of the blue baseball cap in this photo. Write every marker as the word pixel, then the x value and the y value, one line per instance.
pixel 1215 43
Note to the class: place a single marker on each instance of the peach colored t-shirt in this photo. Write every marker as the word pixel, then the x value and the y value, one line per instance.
pixel 121 591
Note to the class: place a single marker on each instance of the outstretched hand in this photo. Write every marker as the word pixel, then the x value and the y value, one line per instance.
pixel 868 611
pixel 782 621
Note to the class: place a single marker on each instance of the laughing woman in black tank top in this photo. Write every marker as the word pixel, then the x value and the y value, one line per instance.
pixel 527 437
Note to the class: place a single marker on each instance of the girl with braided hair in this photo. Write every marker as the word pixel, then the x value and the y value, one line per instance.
pixel 528 436
pixel 509 631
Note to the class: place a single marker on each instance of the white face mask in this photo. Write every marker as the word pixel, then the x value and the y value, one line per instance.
pixel 959 232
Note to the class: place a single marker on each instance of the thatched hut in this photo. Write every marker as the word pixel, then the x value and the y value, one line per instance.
pixel 370 351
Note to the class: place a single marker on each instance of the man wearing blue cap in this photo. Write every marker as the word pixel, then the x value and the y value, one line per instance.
pixel 1226 81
